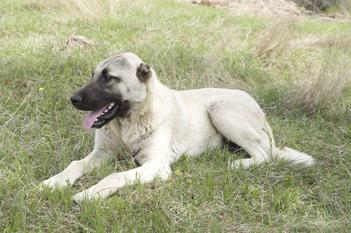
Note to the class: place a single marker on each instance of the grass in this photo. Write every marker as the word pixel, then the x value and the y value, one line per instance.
pixel 189 46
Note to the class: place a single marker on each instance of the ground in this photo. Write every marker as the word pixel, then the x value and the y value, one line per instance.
pixel 296 68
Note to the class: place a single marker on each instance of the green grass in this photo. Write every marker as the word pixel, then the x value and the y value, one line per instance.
pixel 189 46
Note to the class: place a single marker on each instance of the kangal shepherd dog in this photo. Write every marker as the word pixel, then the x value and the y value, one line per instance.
pixel 131 109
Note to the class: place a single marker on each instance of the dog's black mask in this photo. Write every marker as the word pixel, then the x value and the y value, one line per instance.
pixel 101 95
pixel 101 104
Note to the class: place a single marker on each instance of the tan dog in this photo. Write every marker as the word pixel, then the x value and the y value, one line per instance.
pixel 133 110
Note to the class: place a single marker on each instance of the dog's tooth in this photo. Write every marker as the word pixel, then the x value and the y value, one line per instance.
pixel 101 114
pixel 112 104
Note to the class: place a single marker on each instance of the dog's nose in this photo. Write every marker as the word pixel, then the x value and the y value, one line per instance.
pixel 76 99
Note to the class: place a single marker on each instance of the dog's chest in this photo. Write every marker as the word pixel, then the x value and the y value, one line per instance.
pixel 133 134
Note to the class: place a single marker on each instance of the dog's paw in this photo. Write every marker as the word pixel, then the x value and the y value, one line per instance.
pixel 79 197
pixel 84 196
pixel 54 182
pixel 241 164
pixel 92 193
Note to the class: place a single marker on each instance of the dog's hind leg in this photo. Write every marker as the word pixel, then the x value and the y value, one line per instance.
pixel 245 125
pixel 243 122
pixel 104 147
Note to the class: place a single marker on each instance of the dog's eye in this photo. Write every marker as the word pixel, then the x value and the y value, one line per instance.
pixel 107 77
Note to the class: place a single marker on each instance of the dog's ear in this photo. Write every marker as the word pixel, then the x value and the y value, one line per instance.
pixel 143 72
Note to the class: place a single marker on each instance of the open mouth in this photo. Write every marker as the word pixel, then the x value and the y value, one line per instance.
pixel 97 119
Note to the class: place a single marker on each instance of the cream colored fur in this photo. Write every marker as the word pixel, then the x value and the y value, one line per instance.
pixel 165 124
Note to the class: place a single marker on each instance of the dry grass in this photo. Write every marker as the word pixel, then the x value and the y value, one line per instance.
pixel 340 41
pixel 274 41
pixel 323 90
pixel 345 7
pixel 90 8
pixel 321 73
pixel 79 9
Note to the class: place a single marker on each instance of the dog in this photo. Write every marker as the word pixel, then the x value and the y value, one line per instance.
pixel 131 109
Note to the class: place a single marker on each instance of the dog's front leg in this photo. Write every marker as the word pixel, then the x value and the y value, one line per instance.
pixel 105 145
pixel 110 184
pixel 76 169
pixel 157 164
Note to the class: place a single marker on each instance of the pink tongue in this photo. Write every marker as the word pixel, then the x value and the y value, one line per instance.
pixel 91 116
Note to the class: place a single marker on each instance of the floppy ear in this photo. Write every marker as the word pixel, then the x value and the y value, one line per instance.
pixel 143 72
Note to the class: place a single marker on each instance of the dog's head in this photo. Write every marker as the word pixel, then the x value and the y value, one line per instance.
pixel 116 84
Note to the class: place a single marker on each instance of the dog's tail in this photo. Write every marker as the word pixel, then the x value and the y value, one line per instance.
pixel 294 156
